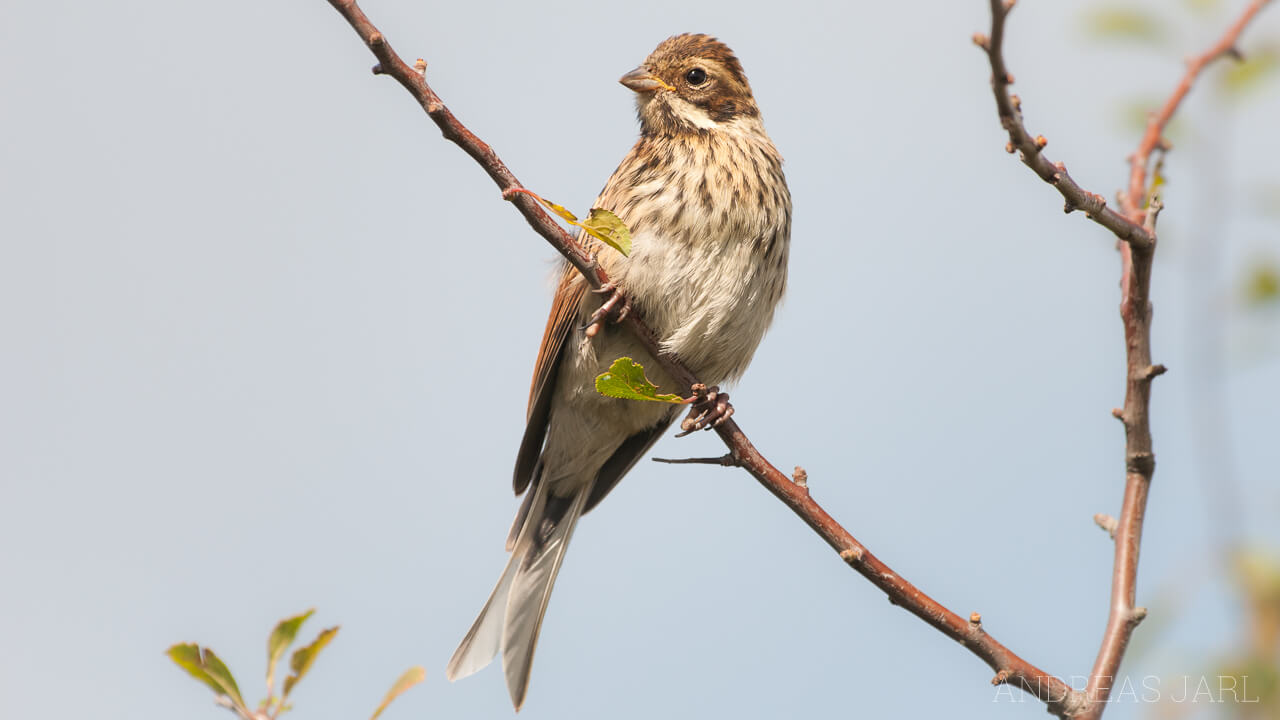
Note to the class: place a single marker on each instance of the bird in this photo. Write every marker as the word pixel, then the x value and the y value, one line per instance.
pixel 706 201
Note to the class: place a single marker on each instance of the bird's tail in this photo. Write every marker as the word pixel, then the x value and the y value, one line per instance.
pixel 512 617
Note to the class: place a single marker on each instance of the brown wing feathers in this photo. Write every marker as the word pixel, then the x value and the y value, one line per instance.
pixel 564 312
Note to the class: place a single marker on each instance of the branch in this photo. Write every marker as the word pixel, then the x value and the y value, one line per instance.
pixel 1152 138
pixel 1010 668
pixel 1135 311
pixel 1136 230
pixel 1031 150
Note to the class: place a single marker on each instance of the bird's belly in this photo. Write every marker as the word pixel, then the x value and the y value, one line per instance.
pixel 711 300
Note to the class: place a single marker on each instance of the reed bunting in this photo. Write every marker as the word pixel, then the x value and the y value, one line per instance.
pixel 710 216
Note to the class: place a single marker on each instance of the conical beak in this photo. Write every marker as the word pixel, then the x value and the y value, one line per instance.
pixel 642 80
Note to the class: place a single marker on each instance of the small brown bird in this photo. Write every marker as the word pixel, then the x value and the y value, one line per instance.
pixel 710 216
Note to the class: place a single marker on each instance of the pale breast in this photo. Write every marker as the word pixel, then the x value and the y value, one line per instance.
pixel 710 216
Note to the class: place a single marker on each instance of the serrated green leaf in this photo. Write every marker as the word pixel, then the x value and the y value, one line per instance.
pixel 625 380
pixel 411 677
pixel 187 657
pixel 1131 23
pixel 609 229
pixel 303 658
pixel 282 636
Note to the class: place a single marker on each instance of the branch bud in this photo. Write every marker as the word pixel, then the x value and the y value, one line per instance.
pixel 1153 371
pixel 1106 522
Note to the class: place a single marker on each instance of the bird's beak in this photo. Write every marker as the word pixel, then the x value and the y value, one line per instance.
pixel 642 80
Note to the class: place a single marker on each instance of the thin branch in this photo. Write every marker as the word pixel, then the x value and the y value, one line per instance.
pixel 727 460
pixel 1153 137
pixel 1136 229
pixel 1135 312
pixel 1031 150
pixel 1009 667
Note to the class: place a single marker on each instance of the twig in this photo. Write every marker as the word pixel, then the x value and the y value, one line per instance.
pixel 243 712
pixel 1153 137
pixel 1135 228
pixel 727 460
pixel 1009 667
pixel 1031 150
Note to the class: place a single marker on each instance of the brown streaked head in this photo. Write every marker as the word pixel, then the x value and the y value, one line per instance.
pixel 690 83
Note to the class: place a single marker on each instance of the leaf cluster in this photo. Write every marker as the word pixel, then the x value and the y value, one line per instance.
pixel 204 665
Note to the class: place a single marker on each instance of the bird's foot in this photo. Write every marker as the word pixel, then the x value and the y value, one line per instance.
pixel 709 408
pixel 614 308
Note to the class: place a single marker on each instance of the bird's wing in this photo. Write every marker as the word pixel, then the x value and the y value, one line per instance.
pixel 564 311
pixel 623 459
pixel 564 314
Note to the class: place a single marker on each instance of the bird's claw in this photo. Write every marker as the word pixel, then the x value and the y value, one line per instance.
pixel 709 409
pixel 615 307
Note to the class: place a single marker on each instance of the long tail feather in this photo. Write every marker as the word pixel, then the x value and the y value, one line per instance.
pixel 541 548
pixel 512 617
pixel 484 639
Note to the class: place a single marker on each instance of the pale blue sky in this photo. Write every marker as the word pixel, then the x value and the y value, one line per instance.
pixel 267 343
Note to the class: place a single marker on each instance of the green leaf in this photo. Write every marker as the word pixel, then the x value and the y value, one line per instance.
pixel 1129 23
pixel 187 657
pixel 625 380
pixel 208 668
pixel 222 675
pixel 600 223
pixel 304 658
pixel 1157 181
pixel 411 677
pixel 609 229
pixel 281 638
pixel 560 210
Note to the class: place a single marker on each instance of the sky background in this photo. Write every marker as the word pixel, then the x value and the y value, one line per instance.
pixel 267 341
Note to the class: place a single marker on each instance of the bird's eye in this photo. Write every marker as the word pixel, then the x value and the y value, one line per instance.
pixel 696 76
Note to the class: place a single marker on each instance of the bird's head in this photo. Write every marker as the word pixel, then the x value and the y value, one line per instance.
pixel 690 84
